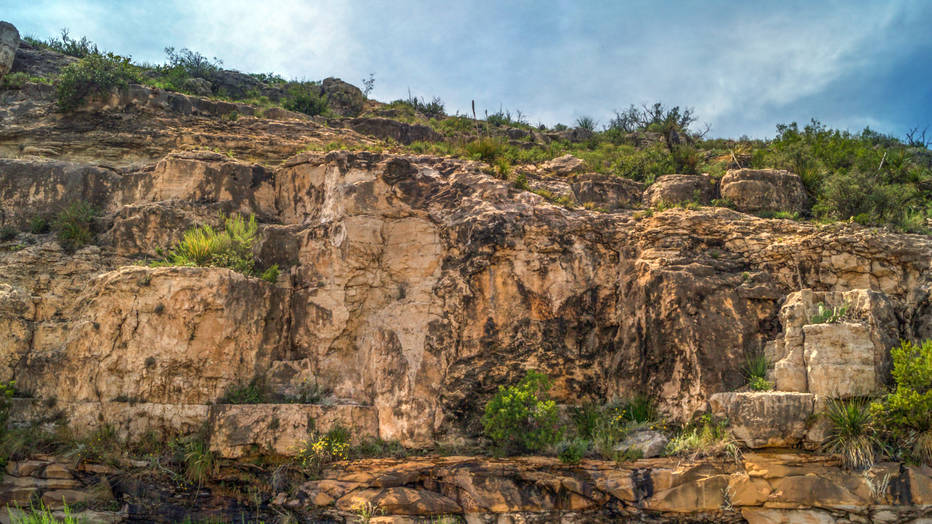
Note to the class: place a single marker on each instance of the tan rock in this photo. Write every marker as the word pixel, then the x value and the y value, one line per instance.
pixel 283 429
pixel 606 192
pixel 839 359
pixel 400 501
pixel 757 190
pixel 765 419
pixel 562 166
pixel 786 516
pixel 678 189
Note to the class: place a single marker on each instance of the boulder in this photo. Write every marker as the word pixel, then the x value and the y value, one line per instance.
pixel 562 166
pixel 343 98
pixel 197 86
pixel 764 190
pixel 9 42
pixel 765 419
pixel 606 191
pixel 645 443
pixel 677 189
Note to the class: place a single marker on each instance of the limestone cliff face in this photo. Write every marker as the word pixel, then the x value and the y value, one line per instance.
pixel 415 285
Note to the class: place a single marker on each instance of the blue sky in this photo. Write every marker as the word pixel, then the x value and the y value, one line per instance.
pixel 743 66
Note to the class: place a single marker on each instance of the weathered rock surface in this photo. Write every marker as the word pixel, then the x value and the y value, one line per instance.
pixel 849 357
pixel 415 285
pixel 766 419
pixel 9 42
pixel 562 166
pixel 762 487
pixel 400 132
pixel 762 190
pixel 606 192
pixel 678 189
pixel 644 444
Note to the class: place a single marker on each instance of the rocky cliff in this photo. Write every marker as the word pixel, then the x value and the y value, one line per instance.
pixel 411 287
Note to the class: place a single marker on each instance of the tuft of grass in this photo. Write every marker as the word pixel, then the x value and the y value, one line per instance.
pixel 231 247
pixel 270 274
pixel 755 369
pixel 41 514
pixel 200 464
pixel 74 225
pixel 251 393
pixel 38 225
pixel 851 436
pixel 7 233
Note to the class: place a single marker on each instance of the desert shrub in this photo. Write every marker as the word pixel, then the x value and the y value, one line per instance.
pixel 38 225
pixel 71 47
pixel 904 416
pixel 432 109
pixel 315 453
pixel 92 75
pixel 13 81
pixel 573 450
pixel 485 149
pixel 252 393
pixel 231 247
pixel 706 437
pixel 521 417
pixel 606 425
pixel 193 63
pixel 270 274
pixel 7 233
pixel 851 435
pixel 305 97
pixel 74 224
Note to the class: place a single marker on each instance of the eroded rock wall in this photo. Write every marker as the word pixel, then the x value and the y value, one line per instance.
pixel 416 285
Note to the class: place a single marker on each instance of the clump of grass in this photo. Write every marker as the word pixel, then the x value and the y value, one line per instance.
pixel 7 233
pixel 607 425
pixel 41 514
pixel 232 247
pixel 38 225
pixel 755 369
pixel 705 438
pixel 251 393
pixel 199 461
pixel 74 225
pixel 851 436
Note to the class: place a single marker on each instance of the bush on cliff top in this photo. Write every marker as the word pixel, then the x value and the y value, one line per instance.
pixel 95 74
pixel 521 418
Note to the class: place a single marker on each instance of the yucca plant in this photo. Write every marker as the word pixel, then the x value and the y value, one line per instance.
pixel 851 436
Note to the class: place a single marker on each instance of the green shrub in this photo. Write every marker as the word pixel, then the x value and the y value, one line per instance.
pixel 230 248
pixel 572 451
pixel 485 149
pixel 270 274
pixel 252 393
pixel 92 75
pixel 38 225
pixel 521 418
pixel 707 437
pixel 904 415
pixel 71 47
pixel 314 453
pixel 607 425
pixel 75 224
pixel 851 435
pixel 305 97
pixel 7 233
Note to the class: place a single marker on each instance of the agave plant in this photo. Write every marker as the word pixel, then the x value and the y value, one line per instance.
pixel 851 437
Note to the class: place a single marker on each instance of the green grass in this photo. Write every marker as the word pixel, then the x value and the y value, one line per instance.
pixel 74 225
pixel 706 437
pixel 42 515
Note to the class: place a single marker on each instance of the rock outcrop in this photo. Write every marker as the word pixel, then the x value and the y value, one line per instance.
pixel 764 190
pixel 679 189
pixel 9 43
